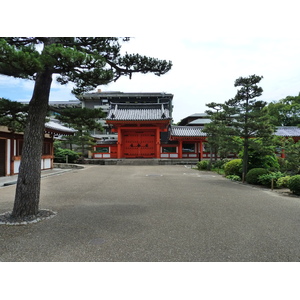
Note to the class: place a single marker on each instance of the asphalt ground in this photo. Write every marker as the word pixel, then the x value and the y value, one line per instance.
pixel 153 214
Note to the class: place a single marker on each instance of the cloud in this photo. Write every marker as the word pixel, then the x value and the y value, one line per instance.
pixel 204 70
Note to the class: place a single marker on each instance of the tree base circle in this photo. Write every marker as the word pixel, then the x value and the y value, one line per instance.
pixel 43 214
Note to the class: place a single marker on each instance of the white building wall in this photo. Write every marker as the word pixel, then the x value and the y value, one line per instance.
pixel 16 166
pixel 8 158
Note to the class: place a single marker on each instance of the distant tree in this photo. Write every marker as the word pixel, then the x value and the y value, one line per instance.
pixel 251 116
pixel 220 136
pixel 285 112
pixel 84 120
pixel 13 115
pixel 86 61
pixel 262 153
pixel 292 154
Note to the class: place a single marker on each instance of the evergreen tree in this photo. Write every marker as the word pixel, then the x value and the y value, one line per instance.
pixel 250 115
pixel 220 136
pixel 84 120
pixel 285 112
pixel 13 115
pixel 292 155
pixel 87 62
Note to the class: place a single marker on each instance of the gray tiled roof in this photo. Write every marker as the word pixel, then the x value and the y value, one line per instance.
pixel 52 126
pixel 287 131
pixel 200 122
pixel 140 112
pixel 122 95
pixel 187 131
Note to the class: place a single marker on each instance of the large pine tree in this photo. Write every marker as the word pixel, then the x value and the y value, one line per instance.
pixel 87 62
pixel 250 115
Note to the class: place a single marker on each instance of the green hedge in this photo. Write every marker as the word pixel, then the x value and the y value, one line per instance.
pixel 233 167
pixel 203 165
pixel 283 182
pixel 252 176
pixel 294 184
pixel 60 155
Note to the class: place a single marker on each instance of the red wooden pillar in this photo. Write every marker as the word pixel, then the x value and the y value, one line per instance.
pixel 119 143
pixel 157 155
pixel 201 149
pixel 180 149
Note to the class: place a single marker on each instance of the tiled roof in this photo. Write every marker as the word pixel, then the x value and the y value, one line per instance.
pixel 52 126
pixel 200 122
pixel 198 115
pixel 187 131
pixel 190 131
pixel 138 112
pixel 122 95
pixel 287 131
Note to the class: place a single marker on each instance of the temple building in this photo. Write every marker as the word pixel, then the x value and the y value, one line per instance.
pixel 11 147
pixel 139 125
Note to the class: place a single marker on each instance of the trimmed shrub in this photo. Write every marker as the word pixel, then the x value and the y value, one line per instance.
pixel 294 184
pixel 203 165
pixel 233 167
pixel 283 182
pixel 253 175
pixel 60 155
pixel 266 179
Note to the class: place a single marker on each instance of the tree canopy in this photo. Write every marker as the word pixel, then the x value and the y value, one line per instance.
pixel 251 117
pixel 242 116
pixel 84 120
pixel 285 112
pixel 86 61
pixel 220 136
pixel 13 115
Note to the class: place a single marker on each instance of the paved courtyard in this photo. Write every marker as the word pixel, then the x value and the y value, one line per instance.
pixel 153 213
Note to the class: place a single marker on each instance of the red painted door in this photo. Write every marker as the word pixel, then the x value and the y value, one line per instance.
pixel 139 143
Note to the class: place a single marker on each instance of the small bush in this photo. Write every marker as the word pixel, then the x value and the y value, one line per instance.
pixel 234 177
pixel 219 164
pixel 283 182
pixel 294 184
pixel 203 165
pixel 266 179
pixel 253 175
pixel 60 155
pixel 233 167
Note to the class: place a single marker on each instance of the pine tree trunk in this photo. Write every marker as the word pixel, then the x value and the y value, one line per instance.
pixel 245 157
pixel 28 185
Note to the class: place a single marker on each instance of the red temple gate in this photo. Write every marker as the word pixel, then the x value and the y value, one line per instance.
pixel 138 143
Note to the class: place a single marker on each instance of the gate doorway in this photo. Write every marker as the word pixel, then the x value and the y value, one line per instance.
pixel 2 157
pixel 139 143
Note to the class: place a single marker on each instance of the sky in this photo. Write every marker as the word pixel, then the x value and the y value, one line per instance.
pixel 210 45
